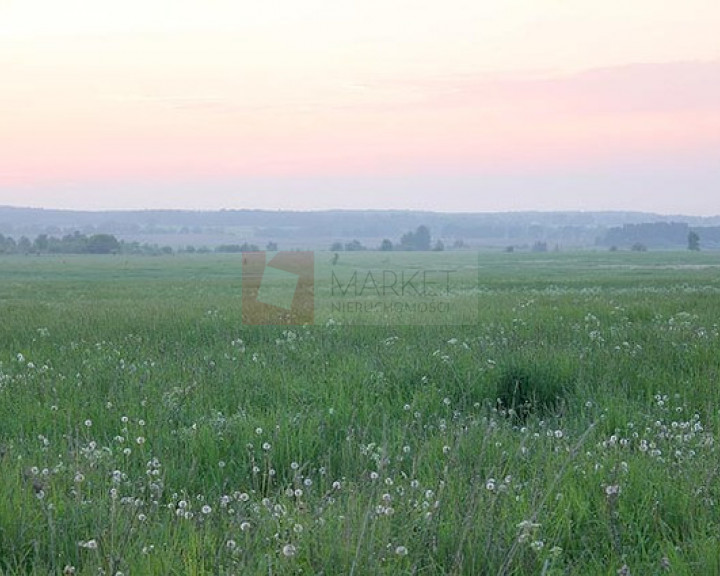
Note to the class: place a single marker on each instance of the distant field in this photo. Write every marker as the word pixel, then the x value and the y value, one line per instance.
pixel 566 421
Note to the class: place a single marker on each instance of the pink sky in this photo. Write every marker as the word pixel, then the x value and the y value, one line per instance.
pixel 446 106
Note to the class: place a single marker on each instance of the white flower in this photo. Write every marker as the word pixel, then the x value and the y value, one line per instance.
pixel 401 551
pixel 612 489
pixel 206 509
pixel 245 526
pixel 289 550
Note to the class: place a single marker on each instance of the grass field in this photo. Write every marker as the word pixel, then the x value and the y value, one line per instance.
pixel 570 428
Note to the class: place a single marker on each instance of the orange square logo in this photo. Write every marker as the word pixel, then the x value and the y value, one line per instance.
pixel 278 291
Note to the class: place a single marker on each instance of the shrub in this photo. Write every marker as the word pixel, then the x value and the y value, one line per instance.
pixel 528 386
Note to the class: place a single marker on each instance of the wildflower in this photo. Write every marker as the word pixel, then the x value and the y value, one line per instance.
pixel 245 526
pixel 231 544
pixel 612 490
pixel 401 551
pixel 289 550
pixel 88 423
pixel 89 545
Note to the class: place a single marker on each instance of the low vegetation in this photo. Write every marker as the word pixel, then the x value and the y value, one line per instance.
pixel 572 430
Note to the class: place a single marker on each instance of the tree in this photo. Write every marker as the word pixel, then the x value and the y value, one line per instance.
pixel 354 246
pixel 41 243
pixel 103 244
pixel 693 241
pixel 638 247
pixel 418 240
pixel 24 245
pixel 271 247
pixel 336 247
pixel 386 245
pixel 439 246
pixel 422 238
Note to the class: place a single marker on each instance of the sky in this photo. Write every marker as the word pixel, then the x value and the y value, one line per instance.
pixel 405 104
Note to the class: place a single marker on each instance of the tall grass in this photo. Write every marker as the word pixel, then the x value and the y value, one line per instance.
pixel 144 430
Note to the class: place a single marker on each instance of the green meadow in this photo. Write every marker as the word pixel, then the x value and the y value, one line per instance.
pixel 563 420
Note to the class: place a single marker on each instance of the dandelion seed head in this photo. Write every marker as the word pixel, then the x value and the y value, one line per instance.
pixel 289 551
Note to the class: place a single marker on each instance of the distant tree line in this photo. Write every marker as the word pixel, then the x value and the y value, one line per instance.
pixel 661 235
pixel 77 243
pixel 418 240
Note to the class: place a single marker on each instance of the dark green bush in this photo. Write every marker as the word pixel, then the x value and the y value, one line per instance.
pixel 533 386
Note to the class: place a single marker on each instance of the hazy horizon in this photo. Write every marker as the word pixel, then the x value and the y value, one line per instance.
pixel 453 107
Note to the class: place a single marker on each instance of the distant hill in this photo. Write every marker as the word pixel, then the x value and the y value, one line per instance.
pixel 317 230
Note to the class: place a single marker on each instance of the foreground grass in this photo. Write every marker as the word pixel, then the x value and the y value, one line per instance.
pixel 144 430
